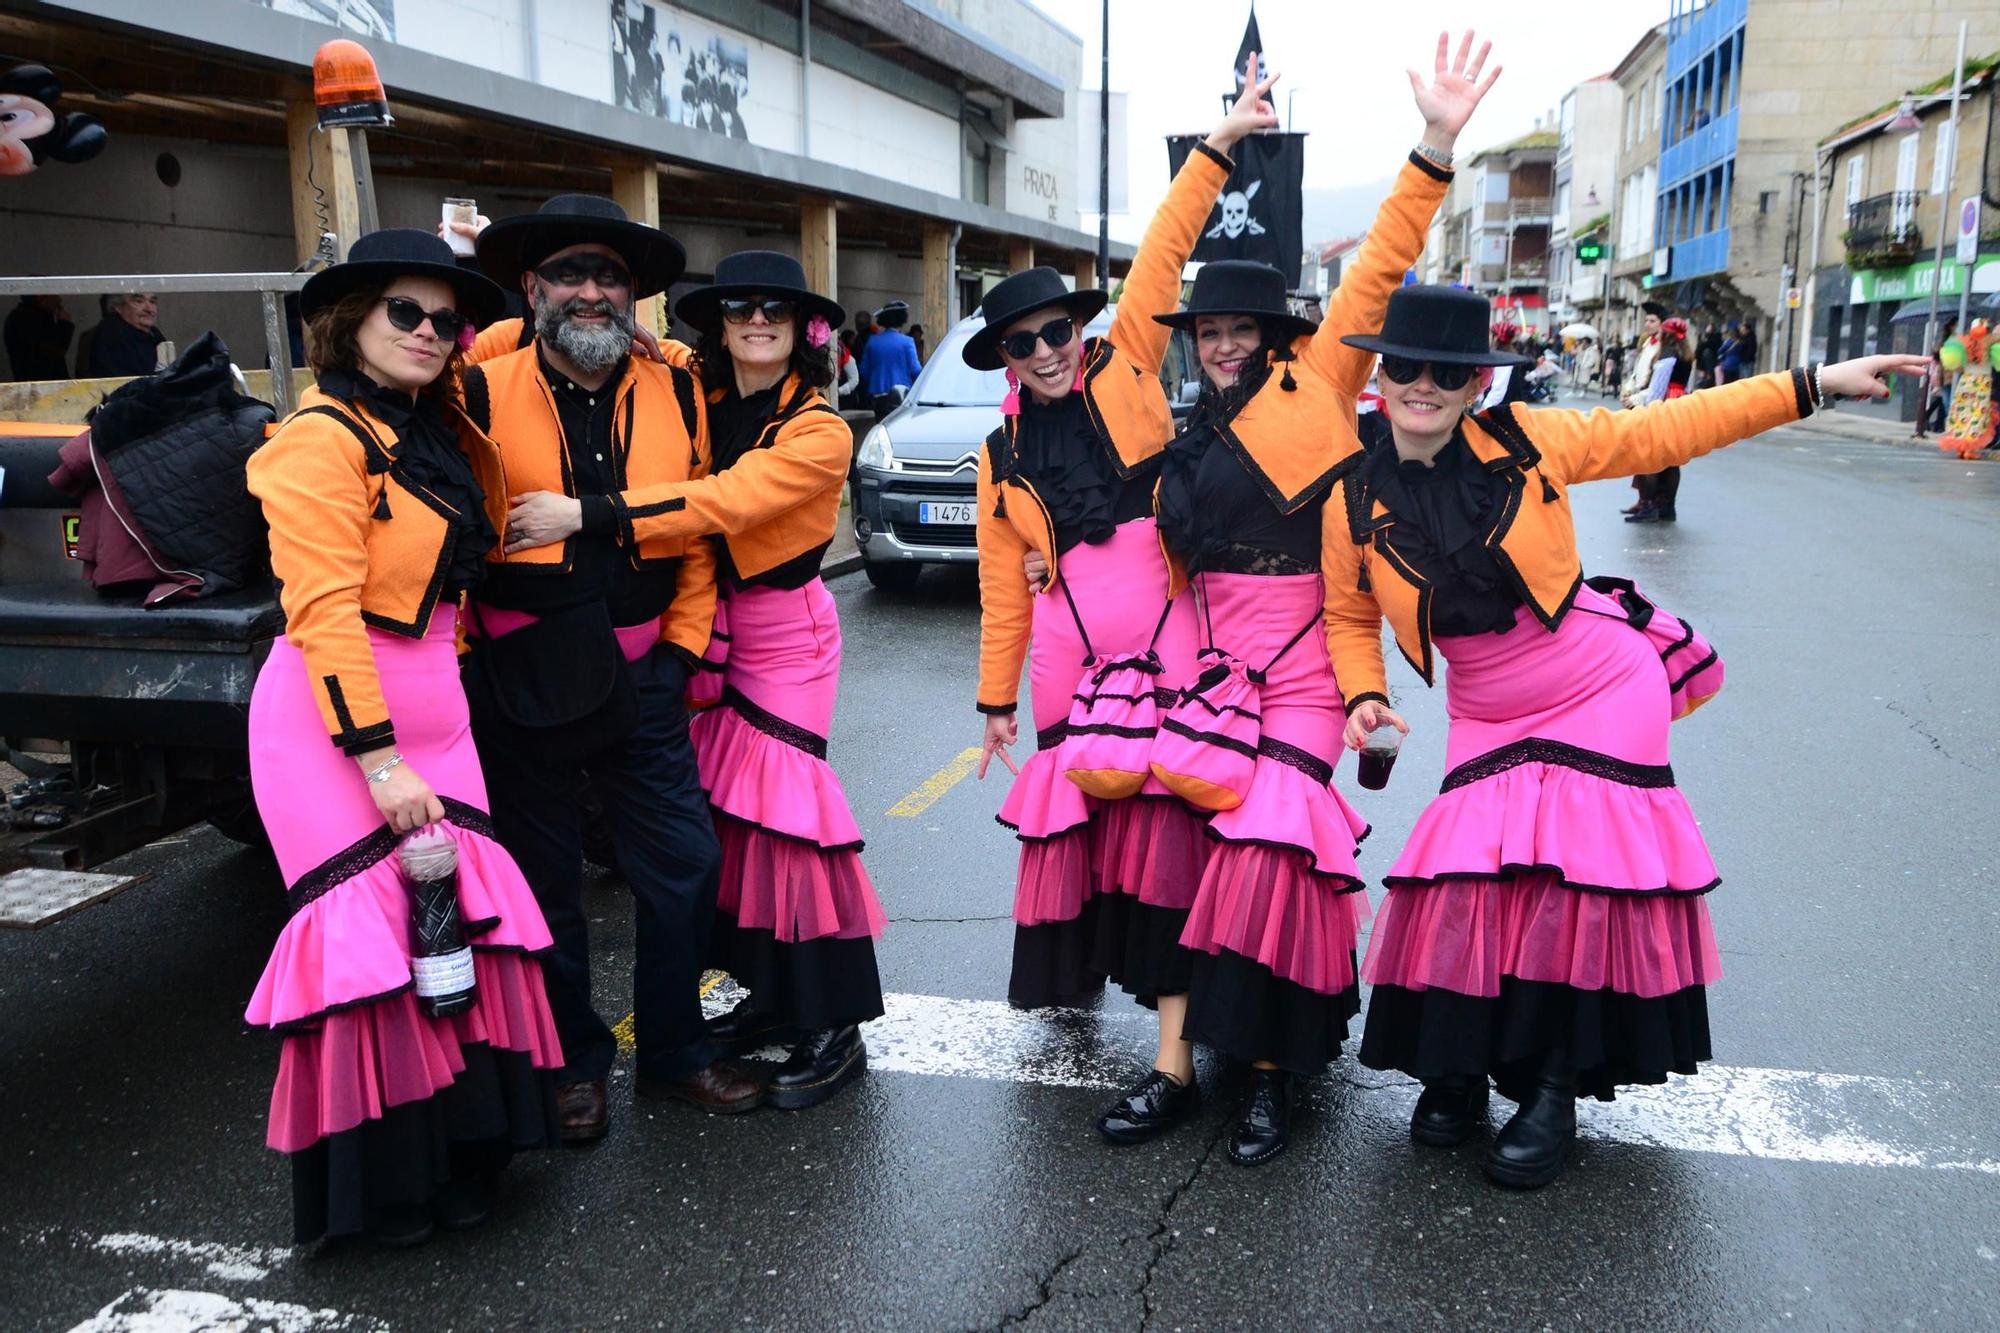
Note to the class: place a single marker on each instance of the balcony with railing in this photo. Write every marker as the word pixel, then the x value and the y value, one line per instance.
pixel 1882 232
pixel 1713 143
pixel 1521 273
pixel 1707 253
pixel 1694 28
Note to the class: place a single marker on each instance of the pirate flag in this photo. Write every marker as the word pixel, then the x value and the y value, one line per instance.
pixel 1252 41
pixel 1260 215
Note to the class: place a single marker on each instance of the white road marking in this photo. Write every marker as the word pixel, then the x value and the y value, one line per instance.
pixel 1777 1114
pixel 146 1310
pixel 232 1263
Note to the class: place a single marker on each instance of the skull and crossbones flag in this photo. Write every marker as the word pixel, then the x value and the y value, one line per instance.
pixel 1261 212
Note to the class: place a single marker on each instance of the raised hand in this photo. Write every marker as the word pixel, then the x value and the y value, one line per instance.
pixel 1455 89
pixel 1253 111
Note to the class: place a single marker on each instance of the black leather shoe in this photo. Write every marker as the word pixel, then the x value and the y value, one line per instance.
pixel 461 1205
pixel 400 1227
pixel 583 1112
pixel 1449 1110
pixel 1533 1147
pixel 824 1062
pixel 1643 514
pixel 1664 516
pixel 1266 1125
pixel 1155 1104
pixel 745 1029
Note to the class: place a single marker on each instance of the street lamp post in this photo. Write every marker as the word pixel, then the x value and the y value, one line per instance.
pixel 1944 203
pixel 1104 152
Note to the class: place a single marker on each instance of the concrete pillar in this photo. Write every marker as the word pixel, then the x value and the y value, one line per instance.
pixel 635 185
pixel 1020 254
pixel 1086 270
pixel 322 171
pixel 934 308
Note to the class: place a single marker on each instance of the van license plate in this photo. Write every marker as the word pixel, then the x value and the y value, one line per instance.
pixel 959 512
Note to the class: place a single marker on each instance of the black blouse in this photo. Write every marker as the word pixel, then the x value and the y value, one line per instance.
pixel 1216 516
pixel 735 424
pixel 427 457
pixel 1443 513
pixel 1059 452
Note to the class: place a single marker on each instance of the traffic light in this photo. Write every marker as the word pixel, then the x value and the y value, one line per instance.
pixel 1589 252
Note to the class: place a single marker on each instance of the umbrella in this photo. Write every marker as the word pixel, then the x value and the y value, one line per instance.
pixel 1579 330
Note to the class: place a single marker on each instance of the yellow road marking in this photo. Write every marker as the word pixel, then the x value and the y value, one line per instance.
pixel 937 784
pixel 622 1029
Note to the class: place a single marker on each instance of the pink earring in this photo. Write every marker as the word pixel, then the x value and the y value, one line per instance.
pixel 1010 406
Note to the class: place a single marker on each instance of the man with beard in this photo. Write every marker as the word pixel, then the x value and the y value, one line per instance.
pixel 582 646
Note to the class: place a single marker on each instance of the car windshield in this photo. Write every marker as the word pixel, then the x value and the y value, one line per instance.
pixel 946 381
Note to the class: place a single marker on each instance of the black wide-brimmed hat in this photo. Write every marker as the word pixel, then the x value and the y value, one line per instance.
pixel 512 246
pixel 1447 324
pixel 1023 294
pixel 1242 287
pixel 764 273
pixel 381 257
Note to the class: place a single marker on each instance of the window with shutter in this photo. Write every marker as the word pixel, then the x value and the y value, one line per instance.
pixel 1941 152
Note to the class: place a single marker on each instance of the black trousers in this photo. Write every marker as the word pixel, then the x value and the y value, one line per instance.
pixel 1659 488
pixel 665 841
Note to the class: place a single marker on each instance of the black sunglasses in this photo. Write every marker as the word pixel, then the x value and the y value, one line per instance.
pixel 776 310
pixel 575 270
pixel 1056 333
pixel 408 316
pixel 1447 375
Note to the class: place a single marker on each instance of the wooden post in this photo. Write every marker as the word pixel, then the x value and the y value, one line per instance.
pixel 1086 270
pixel 819 244
pixel 1020 254
pixel 635 186
pixel 934 309
pixel 322 168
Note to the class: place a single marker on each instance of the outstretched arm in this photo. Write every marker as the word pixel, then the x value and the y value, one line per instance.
pixel 1397 237
pixel 1153 287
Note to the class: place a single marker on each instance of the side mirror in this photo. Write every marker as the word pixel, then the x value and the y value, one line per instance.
pixel 1189 395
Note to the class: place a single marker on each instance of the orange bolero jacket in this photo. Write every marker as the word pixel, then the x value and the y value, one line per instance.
pixel 353 548
pixel 1121 388
pixel 1539 453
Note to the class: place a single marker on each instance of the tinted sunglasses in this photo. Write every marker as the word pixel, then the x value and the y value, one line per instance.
pixel 776 310
pixel 575 270
pixel 1056 333
pixel 446 323
pixel 1446 375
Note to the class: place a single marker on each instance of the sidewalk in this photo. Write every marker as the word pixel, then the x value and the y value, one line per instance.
pixel 1857 425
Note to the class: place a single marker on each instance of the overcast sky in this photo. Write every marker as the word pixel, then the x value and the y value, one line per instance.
pixel 1344 59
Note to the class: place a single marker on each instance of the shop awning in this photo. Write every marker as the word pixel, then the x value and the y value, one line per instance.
pixel 1984 305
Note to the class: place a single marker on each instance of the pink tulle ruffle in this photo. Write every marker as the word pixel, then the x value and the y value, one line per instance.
pixel 1262 903
pixel 359 1062
pixel 1150 848
pixel 759 779
pixel 1589 831
pixel 352 943
pixel 1465 935
pixel 793 889
pixel 1287 808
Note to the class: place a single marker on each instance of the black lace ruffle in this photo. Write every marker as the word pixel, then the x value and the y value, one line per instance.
pixel 364 852
pixel 772 725
pixel 1538 750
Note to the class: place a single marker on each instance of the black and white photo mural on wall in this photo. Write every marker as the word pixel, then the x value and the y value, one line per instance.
pixel 365 18
pixel 662 65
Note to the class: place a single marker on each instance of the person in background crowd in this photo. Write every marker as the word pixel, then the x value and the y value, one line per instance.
pixel 889 363
pixel 923 345
pixel 1589 362
pixel 1610 370
pixel 1739 354
pixel 1637 383
pixel 864 329
pixel 1937 382
pixel 128 341
pixel 1555 955
pixel 37 334
pixel 848 375
pixel 383 503
pixel 581 647
pixel 1658 490
pixel 1706 355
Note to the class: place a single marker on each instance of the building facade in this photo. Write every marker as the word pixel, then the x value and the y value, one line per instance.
pixel 1493 233
pixel 1586 169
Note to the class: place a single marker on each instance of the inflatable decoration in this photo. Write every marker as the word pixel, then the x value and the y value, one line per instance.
pixel 31 129
pixel 1973 356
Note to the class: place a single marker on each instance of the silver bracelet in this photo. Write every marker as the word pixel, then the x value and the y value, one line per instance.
pixel 1819 390
pixel 380 773
pixel 1430 154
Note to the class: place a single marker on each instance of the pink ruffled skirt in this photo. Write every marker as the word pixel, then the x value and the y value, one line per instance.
pixel 797 916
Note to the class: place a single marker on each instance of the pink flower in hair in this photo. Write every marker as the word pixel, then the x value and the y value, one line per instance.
pixel 465 337
pixel 818 331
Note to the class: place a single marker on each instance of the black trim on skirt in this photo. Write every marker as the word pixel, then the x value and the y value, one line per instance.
pixel 1115 937
pixel 1247 1012
pixel 499 1104
pixel 1613 1040
pixel 829 982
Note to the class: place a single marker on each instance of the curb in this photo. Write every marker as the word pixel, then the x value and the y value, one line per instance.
pixel 847 564
pixel 1926 444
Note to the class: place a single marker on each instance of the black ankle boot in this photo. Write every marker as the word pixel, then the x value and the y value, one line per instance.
pixel 1449 1110
pixel 1154 1105
pixel 745 1029
pixel 1266 1125
pixel 821 1064
pixel 1533 1147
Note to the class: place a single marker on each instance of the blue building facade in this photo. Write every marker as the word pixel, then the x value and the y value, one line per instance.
pixel 1698 136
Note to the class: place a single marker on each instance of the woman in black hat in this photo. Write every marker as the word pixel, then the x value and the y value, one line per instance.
pixel 1274 924
pixel 796 916
pixel 1545 926
pixel 411 1070
pixel 1107 870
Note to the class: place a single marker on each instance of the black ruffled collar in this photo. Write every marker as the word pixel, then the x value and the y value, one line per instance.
pixel 1059 450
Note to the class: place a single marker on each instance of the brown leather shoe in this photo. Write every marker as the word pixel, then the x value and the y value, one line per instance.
pixel 583 1112
pixel 719 1089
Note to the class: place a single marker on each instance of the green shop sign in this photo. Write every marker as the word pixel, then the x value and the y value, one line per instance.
pixel 1909 284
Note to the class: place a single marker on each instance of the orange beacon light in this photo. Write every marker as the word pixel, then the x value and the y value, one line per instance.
pixel 346 88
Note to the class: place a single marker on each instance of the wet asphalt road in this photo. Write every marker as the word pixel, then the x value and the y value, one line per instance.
pixel 1846 780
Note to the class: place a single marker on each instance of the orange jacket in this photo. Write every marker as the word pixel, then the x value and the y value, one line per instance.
pixel 1121 388
pixel 1538 453
pixel 659 428
pixel 353 548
